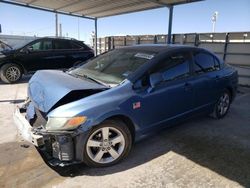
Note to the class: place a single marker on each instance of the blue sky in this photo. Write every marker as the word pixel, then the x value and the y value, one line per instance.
pixel 234 15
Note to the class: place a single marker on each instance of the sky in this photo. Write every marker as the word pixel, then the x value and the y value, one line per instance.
pixel 234 15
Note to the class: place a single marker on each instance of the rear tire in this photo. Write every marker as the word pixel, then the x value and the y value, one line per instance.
pixel 222 105
pixel 107 144
pixel 10 73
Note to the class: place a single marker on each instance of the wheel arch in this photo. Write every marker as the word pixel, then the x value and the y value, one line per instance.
pixel 82 138
pixel 24 71
pixel 128 122
pixel 230 89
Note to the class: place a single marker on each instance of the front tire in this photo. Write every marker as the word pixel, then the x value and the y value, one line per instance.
pixel 10 73
pixel 107 144
pixel 222 105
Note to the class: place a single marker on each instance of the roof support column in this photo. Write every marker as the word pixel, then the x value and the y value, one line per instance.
pixel 96 36
pixel 170 20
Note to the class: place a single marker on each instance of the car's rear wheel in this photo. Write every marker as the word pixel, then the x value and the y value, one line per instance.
pixel 107 144
pixel 222 106
pixel 10 73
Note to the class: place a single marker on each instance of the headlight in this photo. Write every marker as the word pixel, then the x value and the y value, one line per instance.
pixel 57 123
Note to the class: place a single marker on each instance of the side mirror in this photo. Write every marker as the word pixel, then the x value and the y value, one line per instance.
pixel 29 49
pixel 154 79
pixel 137 84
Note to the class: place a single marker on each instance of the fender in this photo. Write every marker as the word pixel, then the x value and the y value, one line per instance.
pixel 118 112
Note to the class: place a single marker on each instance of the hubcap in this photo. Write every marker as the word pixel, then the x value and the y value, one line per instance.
pixel 13 74
pixel 223 104
pixel 105 145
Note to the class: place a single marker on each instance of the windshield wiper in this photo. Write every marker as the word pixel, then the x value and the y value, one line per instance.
pixel 95 80
pixel 90 78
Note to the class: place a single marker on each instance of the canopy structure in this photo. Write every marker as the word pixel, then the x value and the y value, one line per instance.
pixel 94 9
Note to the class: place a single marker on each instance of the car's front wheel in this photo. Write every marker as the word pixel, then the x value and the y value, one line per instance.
pixel 222 106
pixel 10 73
pixel 107 144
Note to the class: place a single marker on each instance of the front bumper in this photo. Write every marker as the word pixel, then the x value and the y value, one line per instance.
pixel 26 130
pixel 58 147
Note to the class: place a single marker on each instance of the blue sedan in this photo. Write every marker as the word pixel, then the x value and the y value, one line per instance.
pixel 95 112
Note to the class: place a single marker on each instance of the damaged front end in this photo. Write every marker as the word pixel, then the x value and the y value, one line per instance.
pixel 59 147
pixel 57 137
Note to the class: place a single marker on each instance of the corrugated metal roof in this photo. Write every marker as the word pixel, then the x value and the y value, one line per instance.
pixel 97 8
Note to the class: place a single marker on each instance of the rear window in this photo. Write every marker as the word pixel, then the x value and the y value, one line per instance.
pixel 62 44
pixel 204 62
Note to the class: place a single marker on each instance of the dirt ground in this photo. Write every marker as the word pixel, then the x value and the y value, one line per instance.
pixel 202 152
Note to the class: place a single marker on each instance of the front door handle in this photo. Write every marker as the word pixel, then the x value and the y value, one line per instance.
pixel 217 77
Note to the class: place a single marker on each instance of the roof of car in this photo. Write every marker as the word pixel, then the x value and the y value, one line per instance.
pixel 158 47
pixel 58 38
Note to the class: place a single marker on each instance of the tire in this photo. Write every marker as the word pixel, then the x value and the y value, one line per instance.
pixel 99 152
pixel 222 105
pixel 10 73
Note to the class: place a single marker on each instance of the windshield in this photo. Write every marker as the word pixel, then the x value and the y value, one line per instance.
pixel 113 67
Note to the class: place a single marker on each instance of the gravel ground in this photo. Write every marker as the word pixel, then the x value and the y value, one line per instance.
pixel 202 152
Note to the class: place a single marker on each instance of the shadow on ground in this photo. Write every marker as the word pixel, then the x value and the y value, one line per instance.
pixel 17 101
pixel 24 79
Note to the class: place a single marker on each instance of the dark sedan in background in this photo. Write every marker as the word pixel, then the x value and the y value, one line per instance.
pixel 43 53
pixel 100 108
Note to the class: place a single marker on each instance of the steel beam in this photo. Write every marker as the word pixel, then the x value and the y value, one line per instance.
pixel 96 36
pixel 170 21
pixel 44 9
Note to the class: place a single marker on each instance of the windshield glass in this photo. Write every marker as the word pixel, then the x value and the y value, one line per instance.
pixel 115 66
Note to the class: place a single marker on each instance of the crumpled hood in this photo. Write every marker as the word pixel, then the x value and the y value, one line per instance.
pixel 47 87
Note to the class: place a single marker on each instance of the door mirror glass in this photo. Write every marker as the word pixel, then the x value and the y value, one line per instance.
pixel 155 79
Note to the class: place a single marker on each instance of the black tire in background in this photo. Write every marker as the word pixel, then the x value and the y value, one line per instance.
pixel 10 73
pixel 113 125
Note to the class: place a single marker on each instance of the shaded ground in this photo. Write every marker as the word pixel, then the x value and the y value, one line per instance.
pixel 199 153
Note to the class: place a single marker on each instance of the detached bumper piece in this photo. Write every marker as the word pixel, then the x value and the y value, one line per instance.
pixel 25 129
pixel 57 147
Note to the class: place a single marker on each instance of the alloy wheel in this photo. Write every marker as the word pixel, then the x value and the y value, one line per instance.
pixel 13 73
pixel 223 104
pixel 105 145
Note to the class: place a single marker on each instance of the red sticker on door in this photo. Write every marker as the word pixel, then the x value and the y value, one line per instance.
pixel 136 105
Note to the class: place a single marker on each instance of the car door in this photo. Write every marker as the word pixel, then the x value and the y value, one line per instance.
pixel 80 52
pixel 62 54
pixel 172 98
pixel 206 80
pixel 36 55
